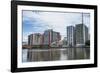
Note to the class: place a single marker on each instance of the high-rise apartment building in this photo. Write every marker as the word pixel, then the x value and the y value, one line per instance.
pixel 81 32
pixel 70 35
pixel 35 39
pixel 50 36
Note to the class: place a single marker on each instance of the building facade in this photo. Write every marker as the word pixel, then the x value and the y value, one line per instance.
pixel 81 32
pixel 35 39
pixel 50 36
pixel 70 35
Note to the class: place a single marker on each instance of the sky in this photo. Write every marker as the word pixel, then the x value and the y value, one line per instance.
pixel 39 21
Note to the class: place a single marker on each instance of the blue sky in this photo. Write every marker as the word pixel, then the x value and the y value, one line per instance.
pixel 39 21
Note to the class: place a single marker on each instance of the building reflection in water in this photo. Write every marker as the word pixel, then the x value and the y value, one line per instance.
pixel 52 54
pixel 78 53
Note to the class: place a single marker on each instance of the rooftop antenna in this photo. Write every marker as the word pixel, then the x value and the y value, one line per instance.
pixel 82 17
pixel 83 28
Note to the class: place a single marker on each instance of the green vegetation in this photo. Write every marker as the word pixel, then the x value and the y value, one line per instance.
pixel 87 43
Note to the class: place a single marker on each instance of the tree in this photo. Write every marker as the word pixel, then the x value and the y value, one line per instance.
pixel 87 43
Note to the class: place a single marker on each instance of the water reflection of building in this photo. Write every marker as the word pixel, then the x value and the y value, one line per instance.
pixel 71 35
pixel 35 39
pixel 50 36
pixel 78 53
pixel 81 32
pixel 43 55
pixel 56 54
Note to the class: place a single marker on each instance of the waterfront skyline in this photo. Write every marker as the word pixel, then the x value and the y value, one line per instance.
pixel 47 38
pixel 38 22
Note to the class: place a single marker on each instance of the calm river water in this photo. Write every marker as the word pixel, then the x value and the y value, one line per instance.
pixel 52 54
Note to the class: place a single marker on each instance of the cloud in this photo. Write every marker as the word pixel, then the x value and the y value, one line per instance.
pixel 58 21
